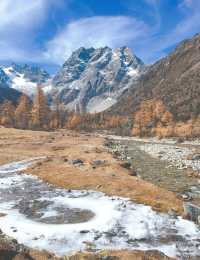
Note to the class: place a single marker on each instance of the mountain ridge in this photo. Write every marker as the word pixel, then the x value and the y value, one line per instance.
pixel 91 80
pixel 175 79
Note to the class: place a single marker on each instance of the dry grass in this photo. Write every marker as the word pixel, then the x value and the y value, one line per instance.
pixel 122 255
pixel 63 146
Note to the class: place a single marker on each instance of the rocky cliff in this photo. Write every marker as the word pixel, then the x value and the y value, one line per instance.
pixel 92 80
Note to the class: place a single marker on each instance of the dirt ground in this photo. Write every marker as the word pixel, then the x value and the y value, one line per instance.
pixel 64 146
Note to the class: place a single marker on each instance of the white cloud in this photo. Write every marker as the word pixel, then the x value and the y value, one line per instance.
pixel 189 3
pixel 20 13
pixel 96 31
pixel 19 20
pixel 185 28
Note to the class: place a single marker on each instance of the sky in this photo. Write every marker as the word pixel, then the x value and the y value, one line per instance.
pixel 46 32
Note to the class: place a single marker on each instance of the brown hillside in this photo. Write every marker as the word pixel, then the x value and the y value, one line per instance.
pixel 175 80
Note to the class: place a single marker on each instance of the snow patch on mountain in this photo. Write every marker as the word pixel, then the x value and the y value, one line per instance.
pixel 98 104
pixel 25 78
pixel 20 83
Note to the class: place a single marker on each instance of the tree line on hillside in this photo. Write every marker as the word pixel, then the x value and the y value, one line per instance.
pixel 151 119
pixel 38 115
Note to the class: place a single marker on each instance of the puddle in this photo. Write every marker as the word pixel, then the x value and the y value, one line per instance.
pixel 63 221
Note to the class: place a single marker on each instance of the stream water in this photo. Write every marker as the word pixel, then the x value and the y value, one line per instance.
pixel 63 221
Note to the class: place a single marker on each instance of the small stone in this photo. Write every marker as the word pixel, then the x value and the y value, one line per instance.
pixel 77 162
pixel 186 197
pixel 196 157
pixel 133 173
pixel 97 237
pixel 65 159
pixel 84 231
pixel 97 163
pixel 126 165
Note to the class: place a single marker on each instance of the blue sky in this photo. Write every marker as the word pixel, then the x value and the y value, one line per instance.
pixel 47 31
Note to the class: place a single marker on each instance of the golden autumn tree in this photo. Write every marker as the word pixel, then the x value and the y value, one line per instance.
pixel 153 118
pixel 56 115
pixel 74 121
pixel 184 129
pixel 40 113
pixel 7 114
pixel 196 127
pixel 23 113
pixel 144 118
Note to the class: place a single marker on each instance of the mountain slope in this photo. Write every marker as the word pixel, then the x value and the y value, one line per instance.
pixel 7 93
pixel 175 80
pixel 92 80
pixel 3 78
pixel 24 78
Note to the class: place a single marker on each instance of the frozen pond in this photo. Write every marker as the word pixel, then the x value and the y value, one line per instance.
pixel 64 221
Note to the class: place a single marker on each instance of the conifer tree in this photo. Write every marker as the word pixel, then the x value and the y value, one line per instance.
pixel 56 115
pixel 7 114
pixel 22 113
pixel 40 111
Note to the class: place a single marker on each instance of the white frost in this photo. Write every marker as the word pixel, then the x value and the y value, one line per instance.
pixel 117 223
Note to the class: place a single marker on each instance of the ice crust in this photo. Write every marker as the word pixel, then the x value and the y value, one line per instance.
pixel 118 223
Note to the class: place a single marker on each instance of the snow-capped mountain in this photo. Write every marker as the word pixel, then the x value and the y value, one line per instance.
pixel 92 79
pixel 7 93
pixel 23 78
pixel 3 78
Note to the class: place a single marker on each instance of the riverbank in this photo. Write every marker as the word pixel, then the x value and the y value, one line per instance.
pixel 166 163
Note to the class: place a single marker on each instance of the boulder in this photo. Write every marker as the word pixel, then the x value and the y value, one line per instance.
pixel 126 165
pixel 196 157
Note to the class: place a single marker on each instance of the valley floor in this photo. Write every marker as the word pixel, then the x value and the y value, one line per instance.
pixel 82 161
pixel 97 169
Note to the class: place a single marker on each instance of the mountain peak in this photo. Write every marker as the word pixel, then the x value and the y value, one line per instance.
pixel 174 80
pixel 93 79
pixel 83 53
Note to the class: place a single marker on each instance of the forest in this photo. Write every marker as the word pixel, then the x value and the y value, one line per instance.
pixel 151 119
